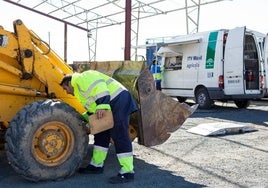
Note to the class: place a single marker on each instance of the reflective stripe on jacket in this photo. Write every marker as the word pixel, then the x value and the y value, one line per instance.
pixel 91 85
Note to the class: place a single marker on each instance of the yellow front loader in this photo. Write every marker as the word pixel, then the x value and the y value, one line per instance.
pixel 41 126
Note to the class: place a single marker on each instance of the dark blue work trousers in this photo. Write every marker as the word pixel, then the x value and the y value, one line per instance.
pixel 122 106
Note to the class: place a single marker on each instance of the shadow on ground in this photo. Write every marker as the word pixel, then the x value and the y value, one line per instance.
pixel 147 176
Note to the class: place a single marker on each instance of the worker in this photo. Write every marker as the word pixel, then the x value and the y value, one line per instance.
pixel 98 92
pixel 157 74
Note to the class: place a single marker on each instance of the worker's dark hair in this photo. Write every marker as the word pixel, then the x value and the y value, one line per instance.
pixel 65 80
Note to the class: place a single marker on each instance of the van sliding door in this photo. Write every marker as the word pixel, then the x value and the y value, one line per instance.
pixel 266 65
pixel 233 62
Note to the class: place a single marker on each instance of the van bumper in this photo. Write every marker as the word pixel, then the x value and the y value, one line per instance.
pixel 216 93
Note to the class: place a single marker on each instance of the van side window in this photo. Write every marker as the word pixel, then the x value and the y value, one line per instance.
pixel 173 63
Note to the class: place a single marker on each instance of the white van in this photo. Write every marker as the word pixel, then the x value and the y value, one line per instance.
pixel 217 65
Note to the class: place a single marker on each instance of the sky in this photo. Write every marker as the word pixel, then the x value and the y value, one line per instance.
pixel 110 42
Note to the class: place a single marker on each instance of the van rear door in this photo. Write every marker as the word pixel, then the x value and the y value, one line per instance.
pixel 233 62
pixel 266 66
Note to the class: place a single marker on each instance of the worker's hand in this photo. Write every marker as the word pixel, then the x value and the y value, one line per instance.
pixel 100 113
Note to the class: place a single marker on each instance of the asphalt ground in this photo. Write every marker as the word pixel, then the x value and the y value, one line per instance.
pixel 185 160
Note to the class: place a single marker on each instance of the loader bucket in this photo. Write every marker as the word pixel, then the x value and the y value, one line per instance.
pixel 160 114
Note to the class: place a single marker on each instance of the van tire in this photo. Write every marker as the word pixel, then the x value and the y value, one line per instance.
pixel 242 103
pixel 46 140
pixel 202 99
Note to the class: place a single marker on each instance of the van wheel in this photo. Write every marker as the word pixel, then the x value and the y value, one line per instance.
pixel 202 99
pixel 46 140
pixel 242 103
pixel 181 99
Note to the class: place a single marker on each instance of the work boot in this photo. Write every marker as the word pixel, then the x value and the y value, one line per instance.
pixel 90 169
pixel 122 178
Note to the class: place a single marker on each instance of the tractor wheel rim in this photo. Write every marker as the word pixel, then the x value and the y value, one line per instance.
pixel 52 143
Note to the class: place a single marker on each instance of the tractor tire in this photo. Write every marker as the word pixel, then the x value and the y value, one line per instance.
pixel 46 140
pixel 2 139
pixel 203 100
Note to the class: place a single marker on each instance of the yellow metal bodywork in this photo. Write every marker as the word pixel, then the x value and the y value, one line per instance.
pixel 29 71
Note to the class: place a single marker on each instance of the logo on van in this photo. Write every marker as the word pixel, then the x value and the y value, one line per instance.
pixel 210 63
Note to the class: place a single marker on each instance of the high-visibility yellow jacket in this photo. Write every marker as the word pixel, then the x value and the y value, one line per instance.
pixel 91 85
